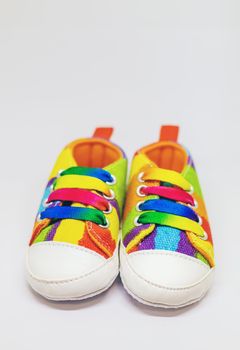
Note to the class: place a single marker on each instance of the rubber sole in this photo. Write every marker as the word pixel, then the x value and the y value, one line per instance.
pixel 90 295
pixel 159 295
pixel 163 306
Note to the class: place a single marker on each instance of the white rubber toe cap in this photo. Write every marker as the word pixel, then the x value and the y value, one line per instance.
pixel 62 271
pixel 164 278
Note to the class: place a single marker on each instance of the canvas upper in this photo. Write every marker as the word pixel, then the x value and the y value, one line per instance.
pixel 165 221
pixel 76 230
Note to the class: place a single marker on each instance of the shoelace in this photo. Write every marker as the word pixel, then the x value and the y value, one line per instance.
pixel 176 206
pixel 86 186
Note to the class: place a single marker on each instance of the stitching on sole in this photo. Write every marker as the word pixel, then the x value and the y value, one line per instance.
pixel 86 296
pixel 158 305
pixel 107 262
pixel 165 253
pixel 70 246
pixel 171 289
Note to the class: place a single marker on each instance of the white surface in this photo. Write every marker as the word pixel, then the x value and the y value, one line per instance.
pixel 62 271
pixel 164 278
pixel 67 66
pixel 57 261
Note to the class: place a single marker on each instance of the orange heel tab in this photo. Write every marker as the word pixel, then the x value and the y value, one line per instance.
pixel 169 133
pixel 103 133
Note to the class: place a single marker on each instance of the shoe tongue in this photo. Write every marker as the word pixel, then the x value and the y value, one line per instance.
pixel 166 155
pixel 72 156
pixel 141 162
pixel 64 161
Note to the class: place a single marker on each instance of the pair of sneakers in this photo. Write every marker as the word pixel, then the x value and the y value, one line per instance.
pixel 165 250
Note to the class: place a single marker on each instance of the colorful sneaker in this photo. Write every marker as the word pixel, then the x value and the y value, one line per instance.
pixel 73 251
pixel 166 257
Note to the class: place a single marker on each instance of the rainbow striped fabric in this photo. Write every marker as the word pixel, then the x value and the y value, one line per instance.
pixel 165 207
pixel 82 205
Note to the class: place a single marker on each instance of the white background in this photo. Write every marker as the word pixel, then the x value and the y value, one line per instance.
pixel 68 66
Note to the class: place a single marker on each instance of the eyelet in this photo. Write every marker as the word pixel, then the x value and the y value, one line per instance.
pixel 191 191
pixel 59 173
pixel 139 191
pixel 46 203
pixel 138 205
pixel 113 182
pixel 200 220
pixel 112 196
pixel 195 205
pixel 38 218
pixel 106 225
pixel 205 237
pixel 136 223
pixel 109 210
pixel 140 177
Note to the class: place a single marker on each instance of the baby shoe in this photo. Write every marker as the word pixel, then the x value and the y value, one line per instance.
pixel 166 254
pixel 73 252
